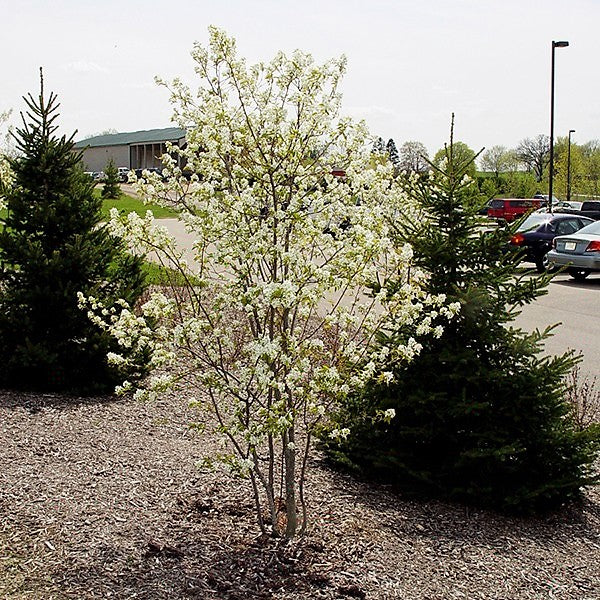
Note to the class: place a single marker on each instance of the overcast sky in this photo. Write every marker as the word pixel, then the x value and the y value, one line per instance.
pixel 410 63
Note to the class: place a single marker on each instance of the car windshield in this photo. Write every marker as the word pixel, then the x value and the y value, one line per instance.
pixel 591 228
pixel 533 221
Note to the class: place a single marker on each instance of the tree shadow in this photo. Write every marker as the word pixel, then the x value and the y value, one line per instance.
pixel 35 402
pixel 452 522
pixel 204 562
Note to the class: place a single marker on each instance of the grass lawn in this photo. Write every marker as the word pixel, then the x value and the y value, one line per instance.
pixel 159 275
pixel 126 204
pixel 129 204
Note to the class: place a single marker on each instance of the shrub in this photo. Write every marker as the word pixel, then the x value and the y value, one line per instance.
pixel 111 188
pixel 481 416
pixel 272 329
pixel 52 247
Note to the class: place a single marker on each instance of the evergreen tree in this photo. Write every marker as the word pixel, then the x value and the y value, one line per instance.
pixel 52 247
pixel 481 416
pixel 393 152
pixel 111 187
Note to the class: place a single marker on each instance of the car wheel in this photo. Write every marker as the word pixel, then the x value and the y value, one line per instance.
pixel 578 274
pixel 542 264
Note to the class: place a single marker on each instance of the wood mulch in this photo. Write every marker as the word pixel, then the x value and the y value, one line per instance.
pixel 101 498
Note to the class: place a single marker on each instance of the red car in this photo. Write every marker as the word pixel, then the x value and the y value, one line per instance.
pixel 509 209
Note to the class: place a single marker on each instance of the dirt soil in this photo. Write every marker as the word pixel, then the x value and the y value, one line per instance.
pixel 100 498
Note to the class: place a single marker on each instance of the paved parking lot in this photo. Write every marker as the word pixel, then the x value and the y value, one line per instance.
pixel 576 305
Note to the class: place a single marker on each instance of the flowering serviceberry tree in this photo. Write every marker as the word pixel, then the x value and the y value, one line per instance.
pixel 6 175
pixel 273 323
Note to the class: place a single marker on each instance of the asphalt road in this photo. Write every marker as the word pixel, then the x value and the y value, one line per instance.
pixel 575 305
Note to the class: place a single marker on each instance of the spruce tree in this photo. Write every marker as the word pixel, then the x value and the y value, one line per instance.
pixel 52 246
pixel 393 153
pixel 111 187
pixel 481 415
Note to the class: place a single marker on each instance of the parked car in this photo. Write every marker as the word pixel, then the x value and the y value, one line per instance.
pixel 562 206
pixel 589 208
pixel 509 209
pixel 140 172
pixel 123 174
pixel 545 197
pixel 535 234
pixel 485 208
pixel 579 252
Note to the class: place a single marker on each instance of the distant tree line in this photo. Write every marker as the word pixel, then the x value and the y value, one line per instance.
pixel 514 172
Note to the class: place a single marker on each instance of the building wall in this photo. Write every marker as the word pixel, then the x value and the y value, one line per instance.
pixel 132 156
pixel 96 159
pixel 147 156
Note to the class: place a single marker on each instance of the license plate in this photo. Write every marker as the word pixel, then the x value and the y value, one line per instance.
pixel 570 245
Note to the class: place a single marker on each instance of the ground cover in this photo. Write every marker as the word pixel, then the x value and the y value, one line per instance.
pixel 100 498
pixel 126 204
pixel 159 275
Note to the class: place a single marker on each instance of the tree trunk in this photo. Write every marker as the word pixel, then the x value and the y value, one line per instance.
pixel 290 488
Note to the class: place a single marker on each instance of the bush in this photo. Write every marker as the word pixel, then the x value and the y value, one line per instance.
pixel 583 394
pixel 52 247
pixel 481 416
pixel 111 188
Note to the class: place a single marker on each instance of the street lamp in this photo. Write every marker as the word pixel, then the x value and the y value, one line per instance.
pixel 554 45
pixel 569 166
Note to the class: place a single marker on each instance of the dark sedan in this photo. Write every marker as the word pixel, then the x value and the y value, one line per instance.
pixel 535 234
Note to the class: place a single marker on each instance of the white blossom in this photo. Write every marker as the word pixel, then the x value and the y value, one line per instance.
pixel 389 414
pixel 276 320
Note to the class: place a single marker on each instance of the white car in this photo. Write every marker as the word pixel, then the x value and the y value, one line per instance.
pixel 562 206
pixel 579 251
pixel 124 174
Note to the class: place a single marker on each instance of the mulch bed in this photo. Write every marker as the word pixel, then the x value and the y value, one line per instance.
pixel 100 498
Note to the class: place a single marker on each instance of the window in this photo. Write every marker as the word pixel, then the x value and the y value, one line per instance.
pixel 567 226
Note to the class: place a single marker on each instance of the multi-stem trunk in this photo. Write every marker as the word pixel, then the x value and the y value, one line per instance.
pixel 290 483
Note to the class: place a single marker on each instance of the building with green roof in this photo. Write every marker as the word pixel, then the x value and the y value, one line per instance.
pixel 134 150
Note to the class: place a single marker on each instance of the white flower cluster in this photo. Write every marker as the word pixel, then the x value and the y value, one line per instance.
pixel 279 321
pixel 143 235
pixel 133 333
pixel 6 174
pixel 6 179
pixel 336 434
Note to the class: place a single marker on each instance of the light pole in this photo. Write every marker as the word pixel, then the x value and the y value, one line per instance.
pixel 569 166
pixel 554 45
